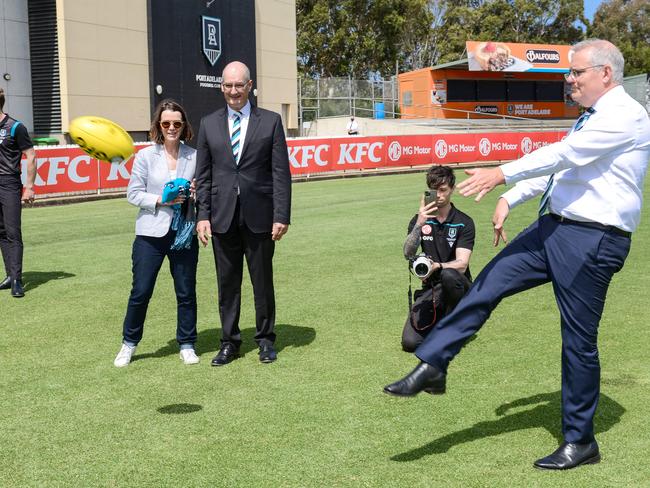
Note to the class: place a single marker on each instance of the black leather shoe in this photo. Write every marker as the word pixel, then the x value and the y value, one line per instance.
pixel 17 289
pixel 6 284
pixel 570 455
pixel 226 354
pixel 423 378
pixel 267 353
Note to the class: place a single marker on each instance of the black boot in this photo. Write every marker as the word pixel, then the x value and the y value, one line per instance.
pixel 5 284
pixel 423 378
pixel 17 289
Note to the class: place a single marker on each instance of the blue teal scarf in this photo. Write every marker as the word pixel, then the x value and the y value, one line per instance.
pixel 184 219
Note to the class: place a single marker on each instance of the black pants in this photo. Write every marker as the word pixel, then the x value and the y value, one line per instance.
pixel 423 316
pixel 11 240
pixel 229 251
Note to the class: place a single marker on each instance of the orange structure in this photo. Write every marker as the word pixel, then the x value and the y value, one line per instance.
pixel 519 80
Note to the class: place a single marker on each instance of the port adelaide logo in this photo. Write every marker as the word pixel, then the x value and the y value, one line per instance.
pixel 211 38
pixel 546 56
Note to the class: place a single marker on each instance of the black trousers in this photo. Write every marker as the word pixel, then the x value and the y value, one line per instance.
pixel 229 250
pixel 424 314
pixel 11 239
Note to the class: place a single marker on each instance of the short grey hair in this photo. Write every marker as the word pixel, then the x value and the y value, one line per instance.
pixel 604 53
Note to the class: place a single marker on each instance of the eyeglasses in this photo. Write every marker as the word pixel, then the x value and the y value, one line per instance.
pixel 576 73
pixel 165 124
pixel 236 86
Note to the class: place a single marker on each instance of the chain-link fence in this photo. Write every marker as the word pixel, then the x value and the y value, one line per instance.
pixel 639 88
pixel 336 97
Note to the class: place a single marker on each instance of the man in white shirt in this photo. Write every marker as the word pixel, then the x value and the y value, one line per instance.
pixel 353 127
pixel 591 184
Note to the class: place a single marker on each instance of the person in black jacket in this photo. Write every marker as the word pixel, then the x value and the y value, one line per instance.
pixel 243 188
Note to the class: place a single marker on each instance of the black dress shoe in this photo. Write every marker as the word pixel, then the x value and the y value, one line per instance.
pixel 17 289
pixel 570 455
pixel 226 354
pixel 5 284
pixel 267 353
pixel 423 378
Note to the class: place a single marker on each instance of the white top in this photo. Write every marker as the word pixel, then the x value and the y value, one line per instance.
pixel 598 169
pixel 352 126
pixel 245 115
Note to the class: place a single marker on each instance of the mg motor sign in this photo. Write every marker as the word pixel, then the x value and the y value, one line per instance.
pixel 484 146
pixel 409 150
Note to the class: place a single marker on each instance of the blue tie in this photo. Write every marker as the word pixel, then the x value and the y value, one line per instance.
pixel 546 196
pixel 235 136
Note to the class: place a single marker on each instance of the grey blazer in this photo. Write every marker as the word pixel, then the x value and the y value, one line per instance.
pixel 148 176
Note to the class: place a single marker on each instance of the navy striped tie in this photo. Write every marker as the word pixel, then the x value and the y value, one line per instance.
pixel 235 136
pixel 546 196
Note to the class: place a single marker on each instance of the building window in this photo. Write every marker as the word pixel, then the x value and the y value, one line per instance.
pixel 407 98
pixel 461 91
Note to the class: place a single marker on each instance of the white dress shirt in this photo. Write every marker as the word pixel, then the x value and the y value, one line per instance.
pixel 598 169
pixel 245 115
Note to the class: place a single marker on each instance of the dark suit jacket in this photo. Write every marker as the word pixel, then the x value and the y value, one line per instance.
pixel 262 176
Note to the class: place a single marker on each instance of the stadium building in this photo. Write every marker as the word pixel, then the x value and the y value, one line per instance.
pixel 60 59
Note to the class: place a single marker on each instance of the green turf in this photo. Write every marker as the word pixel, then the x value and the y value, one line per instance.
pixel 317 417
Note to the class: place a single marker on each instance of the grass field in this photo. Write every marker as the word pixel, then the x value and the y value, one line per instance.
pixel 317 417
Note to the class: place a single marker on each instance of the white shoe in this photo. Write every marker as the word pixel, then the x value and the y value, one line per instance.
pixel 123 357
pixel 189 356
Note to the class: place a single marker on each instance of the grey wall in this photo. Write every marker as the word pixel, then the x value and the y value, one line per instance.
pixel 14 60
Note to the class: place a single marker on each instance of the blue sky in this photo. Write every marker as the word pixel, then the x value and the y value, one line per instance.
pixel 590 8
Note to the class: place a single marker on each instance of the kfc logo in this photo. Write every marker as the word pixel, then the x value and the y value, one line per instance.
pixel 441 148
pixel 526 145
pixel 394 151
pixel 484 146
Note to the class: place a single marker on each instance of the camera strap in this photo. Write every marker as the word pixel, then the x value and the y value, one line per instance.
pixel 433 306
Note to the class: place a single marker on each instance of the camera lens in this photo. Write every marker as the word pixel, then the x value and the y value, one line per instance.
pixel 421 269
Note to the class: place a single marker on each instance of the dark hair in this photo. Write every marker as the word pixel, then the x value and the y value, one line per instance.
pixel 440 175
pixel 155 133
pixel 2 99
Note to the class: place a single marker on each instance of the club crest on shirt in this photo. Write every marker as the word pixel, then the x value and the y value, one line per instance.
pixel 451 236
pixel 427 229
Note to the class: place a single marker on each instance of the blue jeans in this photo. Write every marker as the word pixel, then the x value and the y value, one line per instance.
pixel 148 255
pixel 579 262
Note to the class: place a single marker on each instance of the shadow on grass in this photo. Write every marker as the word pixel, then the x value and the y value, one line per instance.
pixel 544 414
pixel 180 408
pixel 33 279
pixel 208 341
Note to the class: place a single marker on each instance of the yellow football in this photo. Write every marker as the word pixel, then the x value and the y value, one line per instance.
pixel 101 138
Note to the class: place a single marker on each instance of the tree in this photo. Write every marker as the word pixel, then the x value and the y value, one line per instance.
pixel 625 23
pixel 356 37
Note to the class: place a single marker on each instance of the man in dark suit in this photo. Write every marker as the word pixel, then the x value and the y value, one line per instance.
pixel 243 189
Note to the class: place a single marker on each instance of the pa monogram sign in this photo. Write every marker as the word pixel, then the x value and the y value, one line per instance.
pixel 211 38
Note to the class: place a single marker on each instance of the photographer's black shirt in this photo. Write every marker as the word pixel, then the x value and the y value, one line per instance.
pixel 14 139
pixel 439 241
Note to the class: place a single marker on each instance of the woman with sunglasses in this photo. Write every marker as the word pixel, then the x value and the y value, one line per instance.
pixel 154 167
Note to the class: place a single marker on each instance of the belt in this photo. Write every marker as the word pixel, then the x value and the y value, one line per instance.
pixel 593 225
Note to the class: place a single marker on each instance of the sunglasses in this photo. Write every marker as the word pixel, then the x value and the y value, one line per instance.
pixel 165 124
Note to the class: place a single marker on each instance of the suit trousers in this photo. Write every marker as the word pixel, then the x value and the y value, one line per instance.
pixel 148 255
pixel 579 261
pixel 11 240
pixel 229 250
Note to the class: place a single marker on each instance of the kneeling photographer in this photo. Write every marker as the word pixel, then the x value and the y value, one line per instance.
pixel 446 236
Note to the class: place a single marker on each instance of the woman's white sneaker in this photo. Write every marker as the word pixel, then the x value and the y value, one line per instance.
pixel 189 356
pixel 123 357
